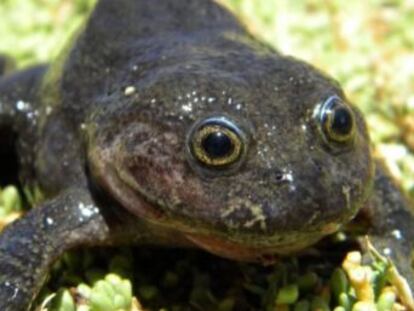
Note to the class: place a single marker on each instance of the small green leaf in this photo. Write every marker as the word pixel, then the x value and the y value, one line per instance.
pixel 288 295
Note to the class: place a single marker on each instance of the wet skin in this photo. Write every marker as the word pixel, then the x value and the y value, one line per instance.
pixel 166 123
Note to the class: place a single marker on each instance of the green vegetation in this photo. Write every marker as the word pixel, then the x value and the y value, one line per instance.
pixel 367 45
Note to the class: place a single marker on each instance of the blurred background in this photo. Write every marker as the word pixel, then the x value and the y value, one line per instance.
pixel 367 45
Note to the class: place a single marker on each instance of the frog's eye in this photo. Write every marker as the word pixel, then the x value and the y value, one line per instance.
pixel 336 120
pixel 216 142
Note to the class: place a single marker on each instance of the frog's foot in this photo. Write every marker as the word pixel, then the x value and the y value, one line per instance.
pixel 30 245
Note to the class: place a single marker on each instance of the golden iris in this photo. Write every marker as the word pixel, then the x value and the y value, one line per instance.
pixel 216 145
pixel 337 121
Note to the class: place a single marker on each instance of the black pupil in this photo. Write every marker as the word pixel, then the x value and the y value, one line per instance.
pixel 341 121
pixel 217 145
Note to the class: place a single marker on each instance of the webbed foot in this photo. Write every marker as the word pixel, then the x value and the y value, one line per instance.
pixel 30 245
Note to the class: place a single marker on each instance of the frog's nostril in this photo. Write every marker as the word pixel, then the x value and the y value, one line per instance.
pixel 279 176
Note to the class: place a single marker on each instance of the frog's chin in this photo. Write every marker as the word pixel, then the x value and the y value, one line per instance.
pixel 249 253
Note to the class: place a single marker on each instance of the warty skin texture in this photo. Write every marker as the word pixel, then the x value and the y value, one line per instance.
pixel 103 132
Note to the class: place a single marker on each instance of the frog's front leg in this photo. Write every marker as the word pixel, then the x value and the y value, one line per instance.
pixel 390 215
pixel 30 245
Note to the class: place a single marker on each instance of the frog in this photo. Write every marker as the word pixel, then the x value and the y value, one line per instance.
pixel 168 123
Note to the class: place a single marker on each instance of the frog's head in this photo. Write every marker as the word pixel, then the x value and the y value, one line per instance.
pixel 245 152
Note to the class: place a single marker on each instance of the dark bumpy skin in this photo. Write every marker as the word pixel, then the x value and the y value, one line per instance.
pixel 106 134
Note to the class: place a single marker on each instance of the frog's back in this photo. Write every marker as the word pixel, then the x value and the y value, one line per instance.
pixel 141 18
pixel 124 32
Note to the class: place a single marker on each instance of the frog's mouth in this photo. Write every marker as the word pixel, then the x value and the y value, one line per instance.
pixel 249 253
pixel 242 246
pixel 263 250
